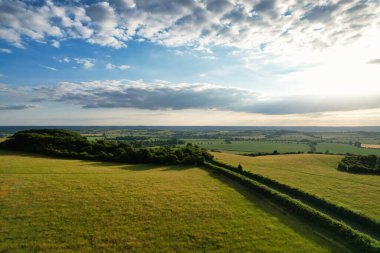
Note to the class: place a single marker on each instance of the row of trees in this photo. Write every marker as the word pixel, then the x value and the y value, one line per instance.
pixel 64 143
pixel 360 164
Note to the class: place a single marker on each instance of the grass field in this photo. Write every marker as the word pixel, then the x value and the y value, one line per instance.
pixel 345 148
pixel 57 205
pixel 316 174
pixel 251 146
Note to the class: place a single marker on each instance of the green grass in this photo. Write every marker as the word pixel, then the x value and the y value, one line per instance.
pixel 316 174
pixel 57 205
pixel 251 146
pixel 346 148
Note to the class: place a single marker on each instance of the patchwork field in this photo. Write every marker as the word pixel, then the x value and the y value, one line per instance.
pixel 57 205
pixel 371 146
pixel 316 174
pixel 251 146
pixel 346 148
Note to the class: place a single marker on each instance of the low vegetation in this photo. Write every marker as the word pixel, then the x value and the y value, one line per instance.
pixel 67 205
pixel 360 164
pixel 64 143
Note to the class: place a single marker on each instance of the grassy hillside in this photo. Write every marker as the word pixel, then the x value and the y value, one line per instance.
pixel 316 174
pixel 57 205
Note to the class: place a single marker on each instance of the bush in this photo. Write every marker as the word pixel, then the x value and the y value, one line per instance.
pixel 360 164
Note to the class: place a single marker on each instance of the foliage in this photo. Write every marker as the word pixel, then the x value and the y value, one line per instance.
pixel 63 143
pixel 360 164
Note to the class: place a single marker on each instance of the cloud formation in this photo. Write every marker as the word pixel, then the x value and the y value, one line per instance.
pixel 195 23
pixel 110 66
pixel 374 61
pixel 16 107
pixel 162 95
pixel 5 50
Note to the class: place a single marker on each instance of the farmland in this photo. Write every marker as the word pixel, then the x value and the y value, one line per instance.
pixel 316 174
pixel 58 205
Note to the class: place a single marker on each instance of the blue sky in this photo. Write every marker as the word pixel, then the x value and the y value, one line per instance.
pixel 189 62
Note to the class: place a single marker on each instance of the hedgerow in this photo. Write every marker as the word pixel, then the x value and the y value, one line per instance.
pixel 355 239
pixel 340 211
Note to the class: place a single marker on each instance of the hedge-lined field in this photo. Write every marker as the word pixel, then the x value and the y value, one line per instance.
pixel 316 174
pixel 58 205
pixel 357 240
pixel 251 146
pixel 340 148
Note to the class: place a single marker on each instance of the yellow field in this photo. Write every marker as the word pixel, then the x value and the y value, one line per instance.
pixel 370 146
pixel 317 175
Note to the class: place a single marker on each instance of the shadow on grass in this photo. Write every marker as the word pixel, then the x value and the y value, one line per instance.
pixel 125 166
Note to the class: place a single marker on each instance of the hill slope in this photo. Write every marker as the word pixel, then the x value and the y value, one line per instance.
pixel 62 205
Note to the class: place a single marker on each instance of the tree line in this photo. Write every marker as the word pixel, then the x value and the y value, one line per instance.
pixel 64 143
pixel 360 164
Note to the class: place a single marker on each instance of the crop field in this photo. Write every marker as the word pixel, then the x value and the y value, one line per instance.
pixel 250 146
pixel 370 146
pixel 58 205
pixel 345 148
pixel 316 174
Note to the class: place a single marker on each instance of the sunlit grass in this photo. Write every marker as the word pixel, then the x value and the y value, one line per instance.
pixel 316 174
pixel 57 205
pixel 251 146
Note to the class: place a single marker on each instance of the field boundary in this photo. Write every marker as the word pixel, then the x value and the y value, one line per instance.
pixel 343 213
pixel 352 237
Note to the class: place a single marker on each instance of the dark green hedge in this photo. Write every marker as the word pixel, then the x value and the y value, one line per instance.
pixel 340 211
pixel 355 239
pixel 63 143
pixel 360 164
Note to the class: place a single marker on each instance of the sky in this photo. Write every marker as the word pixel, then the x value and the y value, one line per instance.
pixel 190 62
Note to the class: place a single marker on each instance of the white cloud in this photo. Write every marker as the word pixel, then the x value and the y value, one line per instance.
pixel 87 63
pixel 47 67
pixel 271 26
pixel 5 50
pixel 110 66
pixel 55 43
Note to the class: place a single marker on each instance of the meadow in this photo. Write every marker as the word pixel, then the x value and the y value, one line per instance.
pixel 241 147
pixel 65 205
pixel 340 148
pixel 316 174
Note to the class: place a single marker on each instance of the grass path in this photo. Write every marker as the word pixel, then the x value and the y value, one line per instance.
pixel 57 205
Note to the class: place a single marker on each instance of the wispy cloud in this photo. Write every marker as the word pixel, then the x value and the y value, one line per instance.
pixel 47 67
pixel 87 63
pixel 5 50
pixel 16 107
pixel 110 66
pixel 374 61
